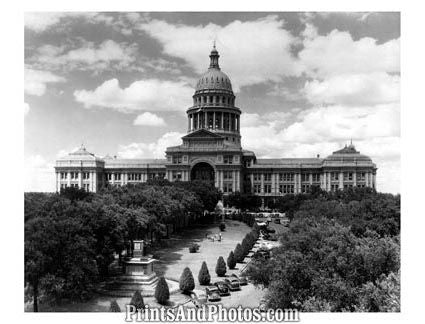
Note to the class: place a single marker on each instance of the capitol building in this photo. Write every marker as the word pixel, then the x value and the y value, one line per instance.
pixel 211 150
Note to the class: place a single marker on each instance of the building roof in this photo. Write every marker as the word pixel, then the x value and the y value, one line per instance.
pixel 214 78
pixel 348 153
pixel 81 155
pixel 135 163
pixel 288 163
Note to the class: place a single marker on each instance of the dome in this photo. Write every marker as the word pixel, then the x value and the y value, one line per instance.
pixel 214 79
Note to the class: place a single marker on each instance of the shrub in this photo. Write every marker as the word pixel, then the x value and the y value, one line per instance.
pixel 187 283
pixel 220 268
pixel 193 248
pixel 239 255
pixel 231 261
pixel 204 277
pixel 137 300
pixel 162 293
pixel 114 308
pixel 245 246
pixel 222 227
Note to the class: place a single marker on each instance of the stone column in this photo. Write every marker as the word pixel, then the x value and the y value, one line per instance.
pixel 354 179
pixel 198 118
pixel 233 181
pixel 262 183
pixel 310 178
pixel 238 181
pixel 217 179
pixel 222 120
pixel 214 120
pixel 252 182
pixel 341 180
pixel 94 181
pixel 122 178
pixel 206 120
pixel 221 180
pixel 69 179
pixel 57 182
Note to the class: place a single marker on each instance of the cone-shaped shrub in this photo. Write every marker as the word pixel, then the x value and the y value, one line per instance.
pixel 162 293
pixel 220 268
pixel 204 275
pixel 239 256
pixel 187 283
pixel 114 308
pixel 231 262
pixel 245 246
pixel 137 300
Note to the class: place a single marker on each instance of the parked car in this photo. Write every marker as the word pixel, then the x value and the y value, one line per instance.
pixel 271 230
pixel 223 290
pixel 199 297
pixel 232 284
pixel 212 293
pixel 243 281
pixel 277 220
pixel 261 254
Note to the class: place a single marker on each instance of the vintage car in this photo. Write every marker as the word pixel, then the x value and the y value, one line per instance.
pixel 243 280
pixel 263 305
pixel 223 290
pixel 212 293
pixel 199 296
pixel 232 284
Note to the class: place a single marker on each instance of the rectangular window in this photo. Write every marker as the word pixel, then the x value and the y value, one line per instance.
pixel 177 175
pixel 64 175
pixel 267 188
pixel 361 176
pixel 286 177
pixel 286 188
pixel 267 177
pixel 118 176
pixel 305 188
pixel 257 177
pixel 86 175
pixel 74 175
pixel 305 177
pixel 334 176
pixel 257 188
pixel 227 187
pixel 228 159
pixel 227 175
pixel 177 159
pixel 334 187
pixel 316 177
pixel 348 176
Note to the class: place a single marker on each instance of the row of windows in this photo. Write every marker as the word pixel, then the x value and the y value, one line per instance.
pixel 227 187
pixel 227 175
pixel 214 99
pixel 74 175
pixel 132 176
pixel 305 177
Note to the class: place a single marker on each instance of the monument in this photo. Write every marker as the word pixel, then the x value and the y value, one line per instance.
pixel 139 268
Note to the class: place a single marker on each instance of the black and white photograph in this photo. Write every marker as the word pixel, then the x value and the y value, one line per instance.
pixel 211 165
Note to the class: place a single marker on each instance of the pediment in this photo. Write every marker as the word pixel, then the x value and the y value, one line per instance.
pixel 202 133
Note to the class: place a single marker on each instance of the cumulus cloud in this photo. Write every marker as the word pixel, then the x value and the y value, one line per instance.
pixel 337 53
pixel 89 56
pixel 147 95
pixel 37 80
pixel 354 89
pixel 248 62
pixel 39 174
pixel 149 119
pixel 154 149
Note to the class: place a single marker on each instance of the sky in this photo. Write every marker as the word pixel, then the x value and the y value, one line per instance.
pixel 120 83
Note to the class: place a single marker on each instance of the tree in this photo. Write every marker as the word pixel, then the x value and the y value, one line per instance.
pixel 220 268
pixel 162 293
pixel 187 283
pixel 204 277
pixel 231 262
pixel 114 307
pixel 137 300
pixel 239 254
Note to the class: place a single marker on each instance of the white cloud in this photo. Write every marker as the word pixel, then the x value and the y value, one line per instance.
pixel 355 89
pixel 149 119
pixel 36 81
pixel 39 174
pixel 26 108
pixel 337 53
pixel 150 150
pixel 106 55
pixel 246 61
pixel 143 95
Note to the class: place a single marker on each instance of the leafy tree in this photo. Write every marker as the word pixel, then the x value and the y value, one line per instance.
pixel 239 253
pixel 187 283
pixel 220 268
pixel 114 307
pixel 137 300
pixel 74 194
pixel 231 262
pixel 204 277
pixel 162 293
